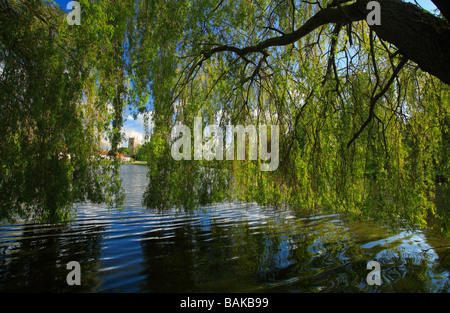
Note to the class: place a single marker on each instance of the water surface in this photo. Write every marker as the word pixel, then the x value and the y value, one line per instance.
pixel 233 247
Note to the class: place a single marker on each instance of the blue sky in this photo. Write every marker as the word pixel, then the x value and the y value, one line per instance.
pixel 135 128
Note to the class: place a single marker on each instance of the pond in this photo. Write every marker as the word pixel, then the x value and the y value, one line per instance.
pixel 232 247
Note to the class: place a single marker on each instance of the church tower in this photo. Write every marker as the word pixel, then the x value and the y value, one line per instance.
pixel 132 145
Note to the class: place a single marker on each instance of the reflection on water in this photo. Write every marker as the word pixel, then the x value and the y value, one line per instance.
pixel 224 248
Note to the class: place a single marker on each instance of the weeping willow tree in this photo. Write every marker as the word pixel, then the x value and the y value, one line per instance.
pixel 61 92
pixel 363 111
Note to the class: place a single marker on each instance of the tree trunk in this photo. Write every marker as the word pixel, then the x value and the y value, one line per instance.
pixel 419 35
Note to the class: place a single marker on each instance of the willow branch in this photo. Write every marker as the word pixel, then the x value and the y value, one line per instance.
pixel 374 100
pixel 341 15
pixel 419 35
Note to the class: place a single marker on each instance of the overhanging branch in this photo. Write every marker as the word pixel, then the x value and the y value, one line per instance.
pixel 323 17
pixel 419 35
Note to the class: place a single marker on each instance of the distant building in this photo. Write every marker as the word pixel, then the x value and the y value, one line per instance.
pixel 132 145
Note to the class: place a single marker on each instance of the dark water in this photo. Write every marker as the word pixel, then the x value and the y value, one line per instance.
pixel 224 248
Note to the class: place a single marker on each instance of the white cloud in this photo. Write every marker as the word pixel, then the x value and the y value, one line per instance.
pixel 105 144
pixel 132 133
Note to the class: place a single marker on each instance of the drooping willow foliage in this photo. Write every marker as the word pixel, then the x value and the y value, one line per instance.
pixel 58 100
pixel 363 130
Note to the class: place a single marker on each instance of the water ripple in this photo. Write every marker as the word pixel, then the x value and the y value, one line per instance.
pixel 226 247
